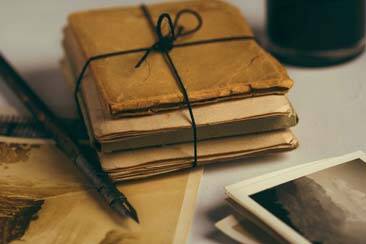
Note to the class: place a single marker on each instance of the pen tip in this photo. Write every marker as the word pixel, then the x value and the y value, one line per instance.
pixel 124 208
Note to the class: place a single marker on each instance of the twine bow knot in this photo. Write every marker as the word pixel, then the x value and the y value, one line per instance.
pixel 165 43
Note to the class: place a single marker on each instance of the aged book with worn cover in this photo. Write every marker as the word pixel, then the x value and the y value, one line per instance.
pixel 229 118
pixel 211 72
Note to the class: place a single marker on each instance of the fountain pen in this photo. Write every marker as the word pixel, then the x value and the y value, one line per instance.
pixel 69 145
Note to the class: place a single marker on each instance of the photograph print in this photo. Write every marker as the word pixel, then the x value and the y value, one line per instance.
pixel 328 206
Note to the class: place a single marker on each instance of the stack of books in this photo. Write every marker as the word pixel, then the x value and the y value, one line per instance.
pixel 137 118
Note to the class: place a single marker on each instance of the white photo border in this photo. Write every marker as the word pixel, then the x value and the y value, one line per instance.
pixel 240 192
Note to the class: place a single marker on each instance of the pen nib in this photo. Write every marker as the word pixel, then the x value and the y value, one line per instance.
pixel 124 208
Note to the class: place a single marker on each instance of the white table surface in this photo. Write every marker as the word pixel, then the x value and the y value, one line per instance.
pixel 330 101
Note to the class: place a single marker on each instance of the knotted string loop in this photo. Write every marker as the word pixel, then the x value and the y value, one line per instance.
pixel 165 43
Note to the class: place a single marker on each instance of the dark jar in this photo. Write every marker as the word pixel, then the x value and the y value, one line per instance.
pixel 316 32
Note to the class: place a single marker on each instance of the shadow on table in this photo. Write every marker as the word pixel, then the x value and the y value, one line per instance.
pixel 221 211
pixel 216 215
pixel 249 162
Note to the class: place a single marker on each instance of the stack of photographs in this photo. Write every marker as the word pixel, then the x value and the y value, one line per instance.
pixel 317 202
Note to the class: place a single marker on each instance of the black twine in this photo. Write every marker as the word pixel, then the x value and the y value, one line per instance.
pixel 164 44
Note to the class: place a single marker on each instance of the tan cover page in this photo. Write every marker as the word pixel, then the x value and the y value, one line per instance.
pixel 236 69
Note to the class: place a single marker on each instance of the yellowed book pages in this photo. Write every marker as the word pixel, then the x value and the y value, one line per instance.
pixel 156 160
pixel 210 72
pixel 71 211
